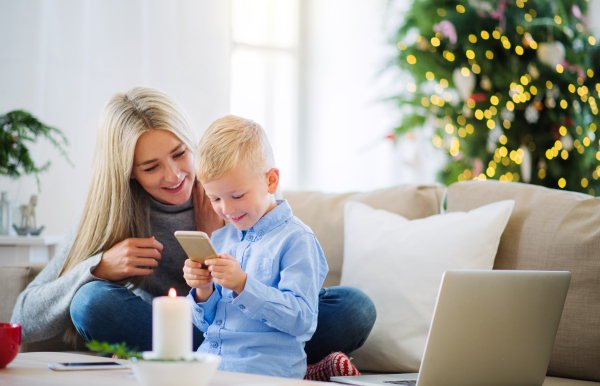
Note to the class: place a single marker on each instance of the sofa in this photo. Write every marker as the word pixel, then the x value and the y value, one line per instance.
pixel 549 229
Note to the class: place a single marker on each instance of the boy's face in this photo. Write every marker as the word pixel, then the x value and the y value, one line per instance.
pixel 241 197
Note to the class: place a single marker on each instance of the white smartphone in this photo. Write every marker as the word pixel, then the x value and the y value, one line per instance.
pixel 73 366
pixel 197 246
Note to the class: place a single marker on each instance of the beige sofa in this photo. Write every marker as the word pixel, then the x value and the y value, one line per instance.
pixel 548 230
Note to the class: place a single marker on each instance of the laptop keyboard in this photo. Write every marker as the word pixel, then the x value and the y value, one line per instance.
pixel 406 383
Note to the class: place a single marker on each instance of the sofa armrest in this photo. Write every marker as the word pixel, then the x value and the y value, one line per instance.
pixel 13 280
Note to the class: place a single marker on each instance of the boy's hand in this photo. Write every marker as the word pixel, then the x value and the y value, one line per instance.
pixel 198 278
pixel 227 273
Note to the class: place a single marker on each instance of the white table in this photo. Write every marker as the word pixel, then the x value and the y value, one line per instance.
pixel 32 369
pixel 27 249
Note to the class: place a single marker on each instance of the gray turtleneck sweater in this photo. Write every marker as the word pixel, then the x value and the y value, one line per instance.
pixel 42 309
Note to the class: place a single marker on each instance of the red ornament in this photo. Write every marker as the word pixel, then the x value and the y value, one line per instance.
pixel 554 130
pixel 479 97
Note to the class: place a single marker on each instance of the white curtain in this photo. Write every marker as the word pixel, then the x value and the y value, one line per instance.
pixel 62 59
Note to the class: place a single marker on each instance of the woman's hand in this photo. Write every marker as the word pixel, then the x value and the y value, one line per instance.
pixel 197 277
pixel 130 257
pixel 227 273
pixel 204 215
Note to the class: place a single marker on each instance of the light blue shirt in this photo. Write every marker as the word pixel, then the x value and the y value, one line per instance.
pixel 263 330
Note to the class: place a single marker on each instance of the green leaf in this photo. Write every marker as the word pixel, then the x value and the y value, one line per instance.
pixel 17 128
pixel 119 349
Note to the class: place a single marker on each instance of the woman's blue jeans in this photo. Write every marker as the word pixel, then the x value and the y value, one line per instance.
pixel 111 313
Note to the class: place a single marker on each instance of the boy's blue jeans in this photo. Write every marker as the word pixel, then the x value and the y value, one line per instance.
pixel 109 312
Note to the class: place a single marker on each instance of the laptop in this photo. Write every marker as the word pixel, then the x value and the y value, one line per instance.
pixel 492 328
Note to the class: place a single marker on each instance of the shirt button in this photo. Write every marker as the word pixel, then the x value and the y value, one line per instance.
pixel 218 322
pixel 214 344
pixel 260 233
pixel 242 307
pixel 264 320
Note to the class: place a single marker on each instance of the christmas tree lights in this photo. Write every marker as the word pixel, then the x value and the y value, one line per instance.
pixel 511 87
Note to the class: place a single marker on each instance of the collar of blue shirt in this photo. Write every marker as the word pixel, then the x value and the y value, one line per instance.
pixel 280 214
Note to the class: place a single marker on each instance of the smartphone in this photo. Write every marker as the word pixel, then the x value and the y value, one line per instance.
pixel 197 246
pixel 72 366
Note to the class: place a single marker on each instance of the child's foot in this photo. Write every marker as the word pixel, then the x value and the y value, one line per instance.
pixel 334 364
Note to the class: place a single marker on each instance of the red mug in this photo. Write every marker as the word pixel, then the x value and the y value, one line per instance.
pixel 10 342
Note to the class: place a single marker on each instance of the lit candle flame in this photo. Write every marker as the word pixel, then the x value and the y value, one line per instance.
pixel 172 293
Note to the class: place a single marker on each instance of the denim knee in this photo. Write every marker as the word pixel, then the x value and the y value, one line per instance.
pixel 360 305
pixel 87 305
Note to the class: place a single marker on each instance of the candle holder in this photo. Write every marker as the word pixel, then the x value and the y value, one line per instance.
pixel 197 370
pixel 151 369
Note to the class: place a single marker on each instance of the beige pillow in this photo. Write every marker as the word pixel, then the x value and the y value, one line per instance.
pixel 551 230
pixel 324 213
pixel 400 263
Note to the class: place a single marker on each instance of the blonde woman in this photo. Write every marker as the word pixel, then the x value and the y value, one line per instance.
pixel 122 252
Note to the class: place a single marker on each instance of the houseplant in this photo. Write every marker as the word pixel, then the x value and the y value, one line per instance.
pixel 17 129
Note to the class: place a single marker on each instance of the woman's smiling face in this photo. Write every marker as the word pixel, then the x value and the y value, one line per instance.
pixel 164 166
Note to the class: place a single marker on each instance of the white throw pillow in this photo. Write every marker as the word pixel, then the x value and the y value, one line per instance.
pixel 399 264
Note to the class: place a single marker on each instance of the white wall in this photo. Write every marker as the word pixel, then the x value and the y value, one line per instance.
pixel 62 60
pixel 345 53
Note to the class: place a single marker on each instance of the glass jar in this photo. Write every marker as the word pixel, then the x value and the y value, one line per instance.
pixel 4 214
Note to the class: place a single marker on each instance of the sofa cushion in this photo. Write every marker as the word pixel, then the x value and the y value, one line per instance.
pixel 324 213
pixel 551 230
pixel 400 265
pixel 14 279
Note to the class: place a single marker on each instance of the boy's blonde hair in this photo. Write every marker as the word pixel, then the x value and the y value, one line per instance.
pixel 231 141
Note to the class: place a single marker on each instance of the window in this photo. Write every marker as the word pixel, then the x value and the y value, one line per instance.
pixel 264 75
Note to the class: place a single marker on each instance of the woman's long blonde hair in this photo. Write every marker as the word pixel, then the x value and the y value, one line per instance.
pixel 117 206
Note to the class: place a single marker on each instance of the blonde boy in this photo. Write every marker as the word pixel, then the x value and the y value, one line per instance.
pixel 257 303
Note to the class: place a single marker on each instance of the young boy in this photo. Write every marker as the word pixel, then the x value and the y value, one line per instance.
pixel 257 303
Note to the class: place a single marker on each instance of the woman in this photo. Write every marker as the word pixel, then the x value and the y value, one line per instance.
pixel 122 253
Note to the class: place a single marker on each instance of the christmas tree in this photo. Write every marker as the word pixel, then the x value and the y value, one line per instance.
pixel 511 87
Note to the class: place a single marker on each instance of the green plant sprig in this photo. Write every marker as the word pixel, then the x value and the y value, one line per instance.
pixel 16 129
pixel 118 349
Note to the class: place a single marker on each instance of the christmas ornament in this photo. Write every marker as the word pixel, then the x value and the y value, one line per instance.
pixel 507 115
pixel 551 94
pixel 481 6
pixel 526 164
pixel 447 29
pixel 577 45
pixel 467 111
pixel 574 68
pixel 498 14
pixel 577 13
pixel 485 83
pixel 477 167
pixel 464 84
pixel 567 142
pixel 533 70
pixel 532 114
pixel 493 138
pixel 551 53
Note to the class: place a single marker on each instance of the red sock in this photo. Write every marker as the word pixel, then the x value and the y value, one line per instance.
pixel 334 364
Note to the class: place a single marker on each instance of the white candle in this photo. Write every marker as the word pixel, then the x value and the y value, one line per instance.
pixel 171 326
